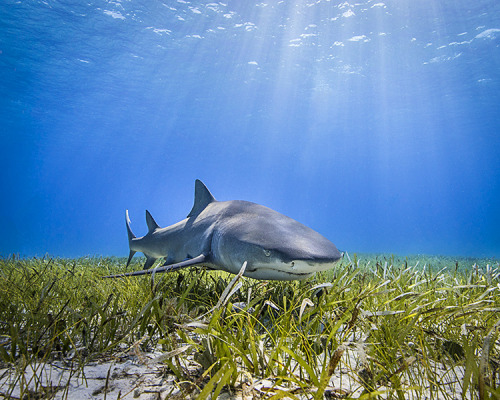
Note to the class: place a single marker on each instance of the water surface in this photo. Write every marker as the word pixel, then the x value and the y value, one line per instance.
pixel 374 122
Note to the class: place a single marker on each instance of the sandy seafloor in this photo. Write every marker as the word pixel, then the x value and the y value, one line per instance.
pixel 137 375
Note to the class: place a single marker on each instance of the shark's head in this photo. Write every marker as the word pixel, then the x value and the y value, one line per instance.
pixel 275 246
pixel 283 263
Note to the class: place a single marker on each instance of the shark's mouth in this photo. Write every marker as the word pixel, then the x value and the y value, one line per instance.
pixel 302 266
pixel 270 273
pixel 267 269
pixel 297 268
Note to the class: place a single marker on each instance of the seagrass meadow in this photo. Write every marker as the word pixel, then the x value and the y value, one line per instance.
pixel 375 326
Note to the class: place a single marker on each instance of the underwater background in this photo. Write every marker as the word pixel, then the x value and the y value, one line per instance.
pixel 376 123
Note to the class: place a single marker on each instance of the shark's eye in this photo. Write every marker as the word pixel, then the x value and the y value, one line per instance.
pixel 267 253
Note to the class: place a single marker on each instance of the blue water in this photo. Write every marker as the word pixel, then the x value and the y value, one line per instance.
pixel 376 123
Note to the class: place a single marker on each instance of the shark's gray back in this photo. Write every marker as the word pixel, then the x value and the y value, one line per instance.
pixel 237 223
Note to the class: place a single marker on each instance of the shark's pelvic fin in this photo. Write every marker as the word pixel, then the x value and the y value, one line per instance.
pixel 149 261
pixel 166 268
pixel 202 198
pixel 150 221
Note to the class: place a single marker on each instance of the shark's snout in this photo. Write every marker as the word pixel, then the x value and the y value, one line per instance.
pixel 314 253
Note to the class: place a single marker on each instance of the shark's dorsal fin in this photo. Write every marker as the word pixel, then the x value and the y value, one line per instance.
pixel 202 198
pixel 150 221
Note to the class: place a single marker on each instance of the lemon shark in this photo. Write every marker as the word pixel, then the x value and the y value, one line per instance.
pixel 222 235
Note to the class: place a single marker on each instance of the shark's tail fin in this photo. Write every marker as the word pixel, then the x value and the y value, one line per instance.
pixel 130 237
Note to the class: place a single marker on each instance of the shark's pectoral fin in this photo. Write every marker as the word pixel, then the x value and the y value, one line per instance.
pixel 165 268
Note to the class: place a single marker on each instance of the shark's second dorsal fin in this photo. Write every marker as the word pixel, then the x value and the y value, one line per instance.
pixel 202 198
pixel 150 221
